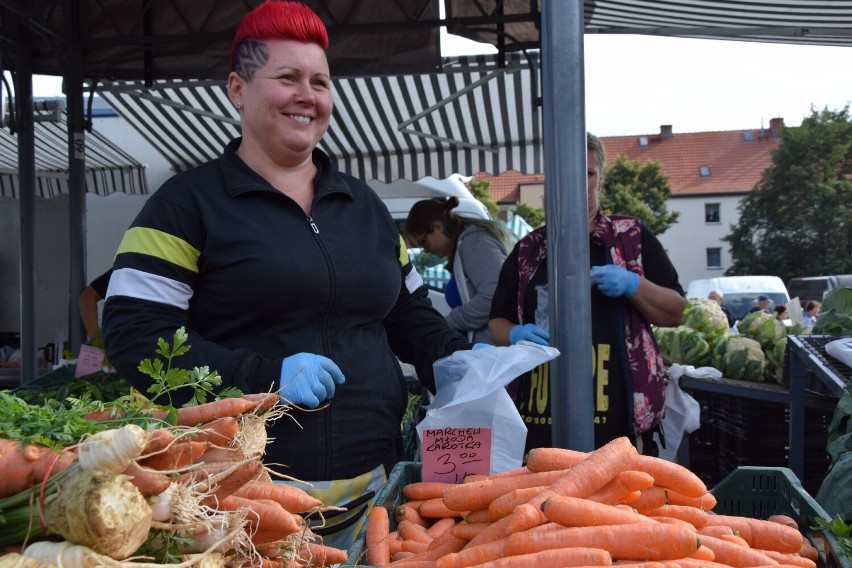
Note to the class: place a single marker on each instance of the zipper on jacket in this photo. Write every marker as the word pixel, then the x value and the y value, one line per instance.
pixel 313 225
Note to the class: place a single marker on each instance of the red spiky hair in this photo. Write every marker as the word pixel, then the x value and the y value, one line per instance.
pixel 280 19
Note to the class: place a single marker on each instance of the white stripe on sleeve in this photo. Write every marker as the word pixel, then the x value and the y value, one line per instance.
pixel 151 287
pixel 413 281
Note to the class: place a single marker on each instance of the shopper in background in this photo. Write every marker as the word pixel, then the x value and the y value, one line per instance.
pixel 288 275
pixel 812 308
pixel 780 312
pixel 475 249
pixel 634 285
pixel 88 301
pixel 717 296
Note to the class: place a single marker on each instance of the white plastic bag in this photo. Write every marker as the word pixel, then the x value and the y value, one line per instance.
pixel 841 349
pixel 683 413
pixel 471 393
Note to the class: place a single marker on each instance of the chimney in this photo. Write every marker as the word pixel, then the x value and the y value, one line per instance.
pixel 775 127
pixel 665 131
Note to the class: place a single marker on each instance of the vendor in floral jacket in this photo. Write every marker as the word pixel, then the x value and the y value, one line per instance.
pixel 288 275
pixel 634 285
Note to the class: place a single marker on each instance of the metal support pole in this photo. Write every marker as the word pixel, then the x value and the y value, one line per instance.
pixel 76 178
pixel 569 283
pixel 26 180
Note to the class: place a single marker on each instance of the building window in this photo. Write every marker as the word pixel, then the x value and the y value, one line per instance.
pixel 704 171
pixel 711 213
pixel 714 257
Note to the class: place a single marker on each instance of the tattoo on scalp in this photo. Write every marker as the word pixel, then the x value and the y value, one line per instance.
pixel 251 55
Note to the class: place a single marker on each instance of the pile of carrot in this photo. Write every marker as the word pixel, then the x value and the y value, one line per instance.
pixel 568 508
pixel 209 493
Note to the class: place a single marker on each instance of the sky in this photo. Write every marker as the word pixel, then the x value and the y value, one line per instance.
pixel 636 83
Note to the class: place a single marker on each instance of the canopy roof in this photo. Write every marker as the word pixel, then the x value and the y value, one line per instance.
pixel 477 116
pixel 181 39
pixel 109 169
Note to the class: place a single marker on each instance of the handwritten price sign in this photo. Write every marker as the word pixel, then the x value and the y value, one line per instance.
pixel 90 360
pixel 448 454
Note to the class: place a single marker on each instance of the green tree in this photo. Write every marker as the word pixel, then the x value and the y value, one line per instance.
pixel 479 189
pixel 532 215
pixel 797 221
pixel 638 189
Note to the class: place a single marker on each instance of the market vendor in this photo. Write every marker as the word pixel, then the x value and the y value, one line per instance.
pixel 634 285
pixel 287 274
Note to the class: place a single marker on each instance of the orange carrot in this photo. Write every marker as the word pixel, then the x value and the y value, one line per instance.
pixel 650 499
pixel 553 459
pixel 706 502
pixel 505 504
pixel 736 539
pixel 554 557
pixel 442 545
pixel 670 475
pixel 376 537
pixel 637 541
pixel 511 472
pixel 440 527
pixel 784 520
pixel 575 512
pixel 478 495
pixel 715 530
pixel 808 551
pixel 414 546
pixel 624 484
pixel 263 401
pixel 703 553
pixel 473 555
pixel 21 467
pixel 231 483
pixel 674 521
pixel 294 499
pixel 422 490
pixel 263 515
pixel 148 482
pixel 406 513
pixel 411 531
pixel 764 535
pixel 176 456
pixel 158 439
pixel 599 468
pixel 692 515
pixel 696 563
pixel 524 517
pixel 210 411
pixel 316 554
pixel 394 546
pixel 789 559
pixel 437 508
pixel 480 516
pixel 467 531
pixel 734 554
pixel 218 432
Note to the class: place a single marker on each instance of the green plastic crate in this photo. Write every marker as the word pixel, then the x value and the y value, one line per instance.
pixel 759 492
pixel 389 497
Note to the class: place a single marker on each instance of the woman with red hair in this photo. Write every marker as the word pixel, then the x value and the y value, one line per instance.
pixel 287 275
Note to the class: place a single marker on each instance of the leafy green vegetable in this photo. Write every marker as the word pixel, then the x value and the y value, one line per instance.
pixel 740 357
pixel 842 530
pixel 168 379
pixel 682 345
pixel 707 317
pixel 835 315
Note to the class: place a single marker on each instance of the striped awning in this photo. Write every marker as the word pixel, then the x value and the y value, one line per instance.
pixel 477 116
pixel 108 168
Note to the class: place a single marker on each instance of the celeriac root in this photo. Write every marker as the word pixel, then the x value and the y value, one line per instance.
pixel 112 450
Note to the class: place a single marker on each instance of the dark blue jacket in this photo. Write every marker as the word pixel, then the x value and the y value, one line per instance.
pixel 253 279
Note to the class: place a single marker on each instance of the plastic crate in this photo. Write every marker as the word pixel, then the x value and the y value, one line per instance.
pixel 389 497
pixel 759 492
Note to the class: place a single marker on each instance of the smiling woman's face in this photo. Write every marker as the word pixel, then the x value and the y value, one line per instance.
pixel 284 95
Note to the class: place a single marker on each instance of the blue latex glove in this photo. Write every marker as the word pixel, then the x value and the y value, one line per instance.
pixel 615 281
pixel 308 379
pixel 478 346
pixel 529 332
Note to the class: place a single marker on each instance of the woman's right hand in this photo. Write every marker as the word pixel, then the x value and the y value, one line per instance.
pixel 308 379
pixel 529 332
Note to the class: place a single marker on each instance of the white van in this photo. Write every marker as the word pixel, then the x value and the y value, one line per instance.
pixel 399 196
pixel 740 291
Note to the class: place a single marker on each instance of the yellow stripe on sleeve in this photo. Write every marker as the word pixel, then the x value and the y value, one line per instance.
pixel 151 242
pixel 403 252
